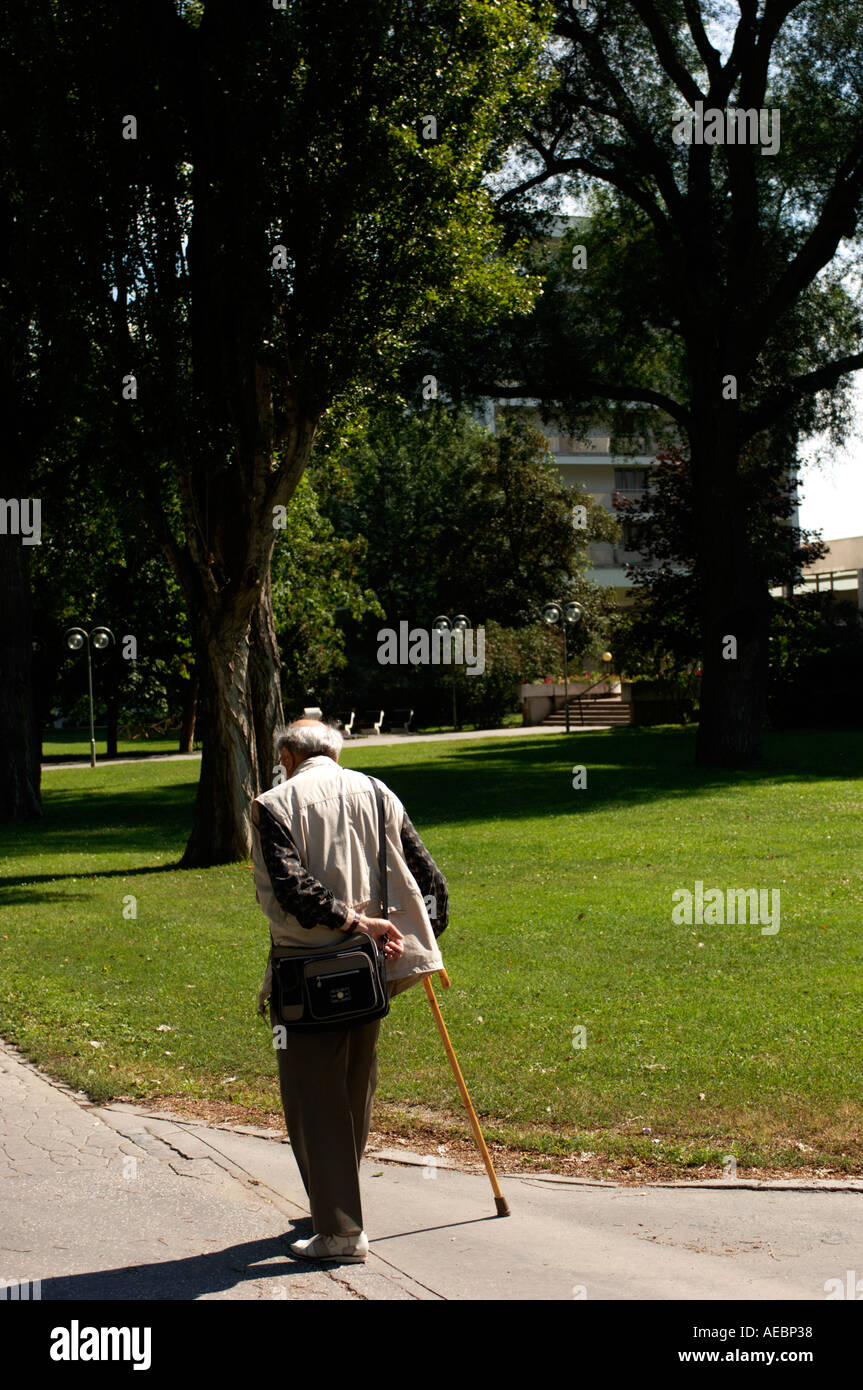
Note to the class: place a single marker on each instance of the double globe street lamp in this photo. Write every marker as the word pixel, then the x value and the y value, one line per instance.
pixel 100 638
pixel 459 624
pixel 563 615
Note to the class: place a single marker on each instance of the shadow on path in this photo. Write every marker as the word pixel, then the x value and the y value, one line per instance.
pixel 191 1277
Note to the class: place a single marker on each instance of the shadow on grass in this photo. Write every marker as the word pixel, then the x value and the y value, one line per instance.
pixel 8 899
pixel 95 822
pixel 517 779
pixel 96 818
pixel 12 899
pixel 506 779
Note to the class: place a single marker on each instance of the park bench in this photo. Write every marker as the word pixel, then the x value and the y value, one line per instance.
pixel 401 721
pixel 346 719
pixel 159 728
pixel 370 723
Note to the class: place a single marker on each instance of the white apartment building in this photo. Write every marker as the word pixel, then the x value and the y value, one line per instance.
pixel 839 572
pixel 590 463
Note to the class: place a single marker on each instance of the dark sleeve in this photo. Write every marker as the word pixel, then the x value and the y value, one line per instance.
pixel 296 890
pixel 429 878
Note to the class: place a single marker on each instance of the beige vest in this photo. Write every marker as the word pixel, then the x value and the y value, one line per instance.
pixel 331 813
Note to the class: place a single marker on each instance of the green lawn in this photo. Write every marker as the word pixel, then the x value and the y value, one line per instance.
pixel 717 1040
pixel 65 745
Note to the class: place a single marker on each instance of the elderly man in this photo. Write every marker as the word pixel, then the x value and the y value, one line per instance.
pixel 315 854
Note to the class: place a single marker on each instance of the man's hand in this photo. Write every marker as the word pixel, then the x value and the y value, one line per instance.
pixel 379 929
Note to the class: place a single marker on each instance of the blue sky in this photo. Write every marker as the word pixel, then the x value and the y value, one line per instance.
pixel 831 496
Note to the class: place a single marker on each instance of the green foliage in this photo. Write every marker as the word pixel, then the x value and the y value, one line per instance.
pixel 457 520
pixel 316 580
pixel 99 565
pixel 514 656
pixel 662 635
pixel 717 300
pixel 816 662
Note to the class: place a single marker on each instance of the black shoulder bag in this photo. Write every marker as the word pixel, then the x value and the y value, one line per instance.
pixel 334 987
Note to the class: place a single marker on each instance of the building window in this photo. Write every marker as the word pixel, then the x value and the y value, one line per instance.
pixel 632 535
pixel 630 479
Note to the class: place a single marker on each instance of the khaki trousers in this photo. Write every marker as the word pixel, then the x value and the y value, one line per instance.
pixel 327 1082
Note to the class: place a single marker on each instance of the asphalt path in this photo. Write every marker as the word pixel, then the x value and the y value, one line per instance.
pixel 117 1202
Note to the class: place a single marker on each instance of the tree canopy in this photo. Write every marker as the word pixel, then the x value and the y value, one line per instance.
pixel 712 284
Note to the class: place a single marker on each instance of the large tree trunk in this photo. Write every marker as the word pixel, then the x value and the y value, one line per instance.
pixel 229 766
pixel 733 688
pixel 20 751
pixel 187 719
pixel 735 608
pixel 265 687
pixel 242 707
pixel 237 456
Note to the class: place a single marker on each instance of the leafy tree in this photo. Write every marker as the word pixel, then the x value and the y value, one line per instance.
pixel 290 194
pixel 106 570
pixel 316 578
pixel 458 519
pixel 514 656
pixel 662 634
pixel 46 284
pixel 816 662
pixel 712 287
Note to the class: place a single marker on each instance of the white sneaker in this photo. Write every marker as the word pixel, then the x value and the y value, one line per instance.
pixel 348 1249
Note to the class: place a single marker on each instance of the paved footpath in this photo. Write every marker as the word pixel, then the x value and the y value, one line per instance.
pixel 361 741
pixel 120 1202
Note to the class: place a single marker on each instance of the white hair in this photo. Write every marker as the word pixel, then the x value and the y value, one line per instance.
pixel 310 739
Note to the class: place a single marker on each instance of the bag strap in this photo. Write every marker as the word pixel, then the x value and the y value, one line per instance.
pixel 382 849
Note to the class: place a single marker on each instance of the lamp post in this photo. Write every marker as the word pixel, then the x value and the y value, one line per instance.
pixel 557 614
pixel 100 638
pixel 606 656
pixel 459 624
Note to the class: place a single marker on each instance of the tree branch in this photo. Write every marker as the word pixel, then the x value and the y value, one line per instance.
pixel 838 218
pixel 589 389
pixel 798 388
pixel 666 52
pixel 652 157
pixel 616 177
pixel 710 56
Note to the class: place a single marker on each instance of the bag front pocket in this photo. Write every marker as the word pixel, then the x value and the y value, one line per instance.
pixel 338 987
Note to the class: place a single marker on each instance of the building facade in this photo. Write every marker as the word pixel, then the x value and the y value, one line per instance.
pixel 590 463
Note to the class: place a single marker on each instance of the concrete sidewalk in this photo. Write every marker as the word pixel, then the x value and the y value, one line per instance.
pixel 118 1202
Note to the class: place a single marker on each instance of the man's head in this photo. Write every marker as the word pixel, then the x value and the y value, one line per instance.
pixel 306 738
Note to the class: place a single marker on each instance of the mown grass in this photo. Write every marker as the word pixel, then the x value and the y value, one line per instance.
pixel 72 743
pixel 701 1041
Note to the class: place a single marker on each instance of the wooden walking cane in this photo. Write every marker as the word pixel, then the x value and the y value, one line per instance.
pixel 499 1199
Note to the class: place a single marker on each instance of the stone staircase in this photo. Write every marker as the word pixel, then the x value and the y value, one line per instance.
pixel 598 710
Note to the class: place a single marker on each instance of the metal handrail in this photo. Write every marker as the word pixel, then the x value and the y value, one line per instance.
pixel 601 680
